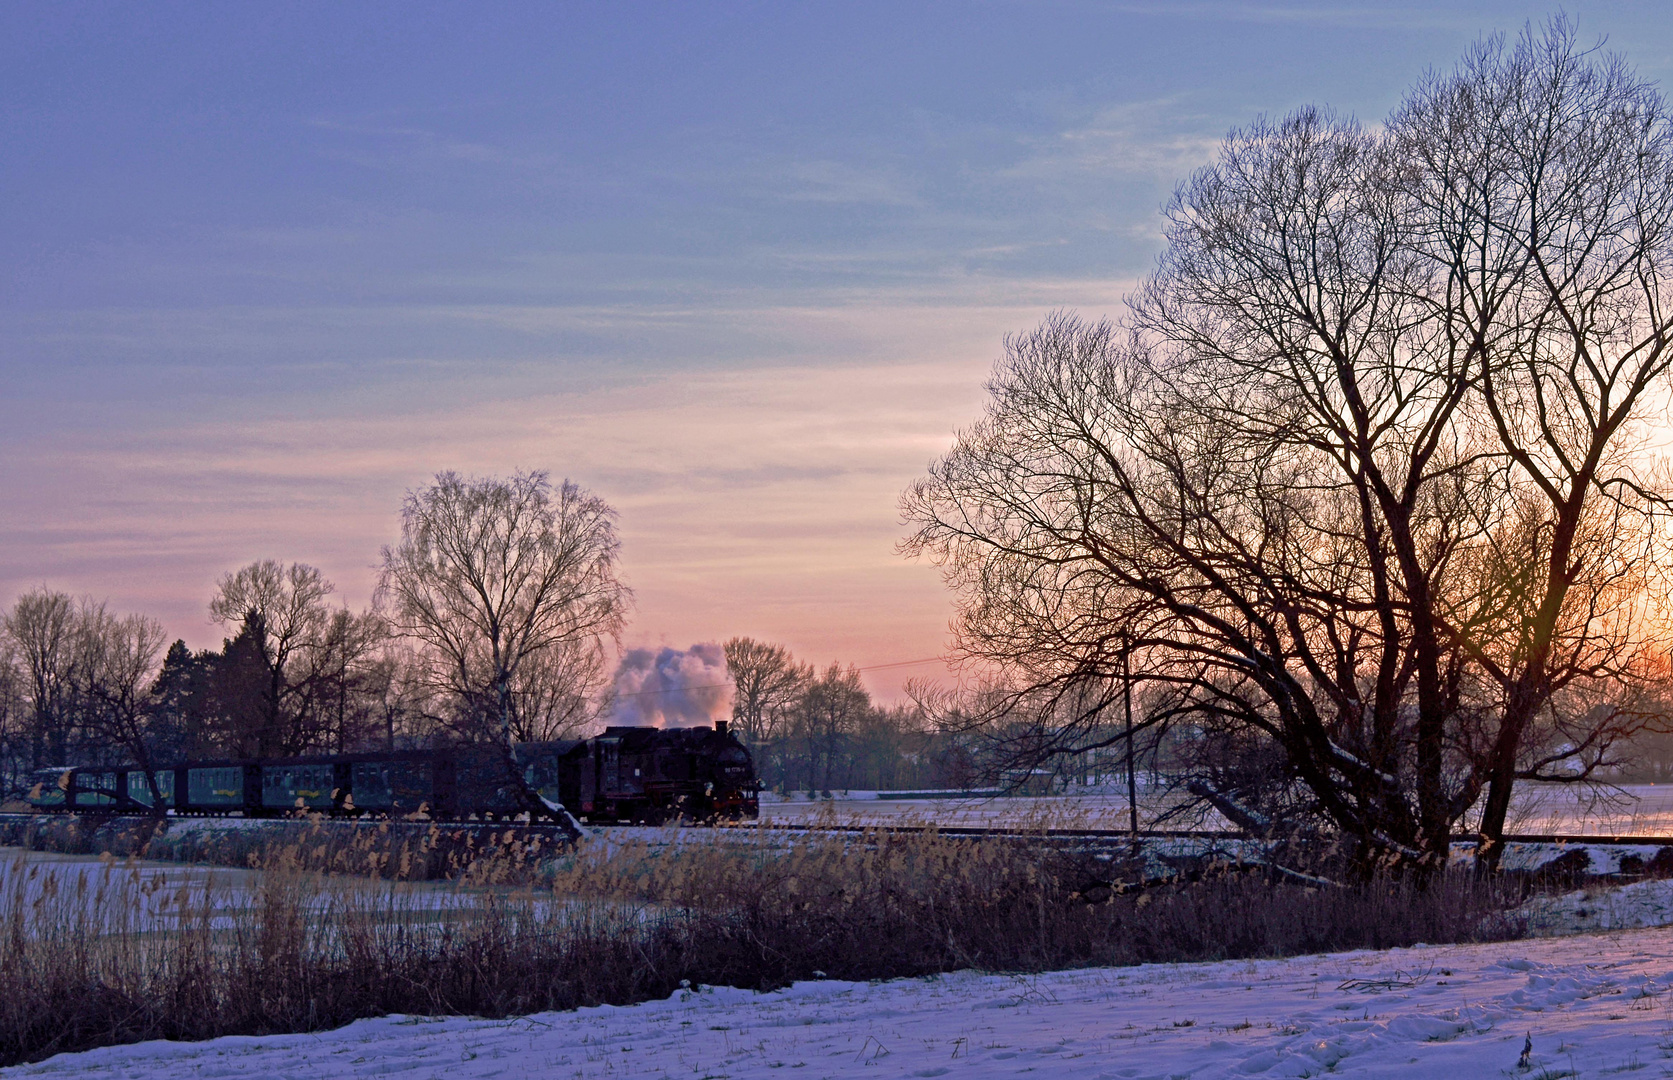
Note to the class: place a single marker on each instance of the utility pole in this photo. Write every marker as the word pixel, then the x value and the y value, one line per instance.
pixel 1132 782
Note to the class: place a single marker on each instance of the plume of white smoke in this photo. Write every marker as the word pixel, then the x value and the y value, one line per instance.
pixel 673 687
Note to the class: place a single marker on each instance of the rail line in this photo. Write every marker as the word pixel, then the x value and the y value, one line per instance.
pixel 1614 840
pixel 14 818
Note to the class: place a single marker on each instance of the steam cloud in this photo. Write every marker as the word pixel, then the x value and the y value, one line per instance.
pixel 673 687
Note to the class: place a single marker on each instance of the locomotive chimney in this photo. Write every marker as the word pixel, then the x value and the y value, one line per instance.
pixel 722 726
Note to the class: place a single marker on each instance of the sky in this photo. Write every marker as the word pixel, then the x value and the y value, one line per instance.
pixel 739 269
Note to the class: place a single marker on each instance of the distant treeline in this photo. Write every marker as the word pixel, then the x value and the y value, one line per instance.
pixel 301 675
pixel 493 622
pixel 298 675
pixel 816 730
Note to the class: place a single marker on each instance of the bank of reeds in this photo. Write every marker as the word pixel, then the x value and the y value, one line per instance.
pixel 115 952
pixel 400 849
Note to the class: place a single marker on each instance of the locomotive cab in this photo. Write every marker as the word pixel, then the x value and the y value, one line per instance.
pixel 654 774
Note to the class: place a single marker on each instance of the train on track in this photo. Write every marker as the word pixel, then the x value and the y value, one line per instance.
pixel 627 774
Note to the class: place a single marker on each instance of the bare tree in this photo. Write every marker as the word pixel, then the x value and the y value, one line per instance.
pixel 494 577
pixel 13 710
pixel 40 629
pixel 832 708
pixel 116 662
pixel 314 658
pixel 403 702
pixel 557 691
pixel 1543 176
pixel 768 680
pixel 346 676
pixel 291 600
pixel 1357 481
pixel 83 679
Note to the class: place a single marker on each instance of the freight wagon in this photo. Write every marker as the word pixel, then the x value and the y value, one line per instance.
pixel 625 774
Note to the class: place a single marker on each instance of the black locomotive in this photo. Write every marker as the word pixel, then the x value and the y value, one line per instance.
pixel 627 774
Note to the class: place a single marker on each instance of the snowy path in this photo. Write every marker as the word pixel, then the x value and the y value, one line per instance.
pixel 1594 1004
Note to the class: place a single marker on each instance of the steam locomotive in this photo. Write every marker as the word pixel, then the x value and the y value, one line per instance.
pixel 626 774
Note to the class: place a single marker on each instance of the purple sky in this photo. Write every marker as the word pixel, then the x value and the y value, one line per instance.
pixel 738 268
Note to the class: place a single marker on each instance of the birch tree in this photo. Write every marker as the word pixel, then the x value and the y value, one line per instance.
pixel 495 578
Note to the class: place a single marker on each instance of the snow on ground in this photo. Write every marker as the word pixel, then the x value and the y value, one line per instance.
pixel 127 895
pixel 1591 1005
pixel 1088 810
pixel 1632 809
pixel 1629 907
pixel 121 895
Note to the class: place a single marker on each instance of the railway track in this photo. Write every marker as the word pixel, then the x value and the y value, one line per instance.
pixel 1207 834
pixel 14 819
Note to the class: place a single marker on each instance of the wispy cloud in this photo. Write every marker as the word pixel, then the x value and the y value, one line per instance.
pixel 756 499
pixel 1327 13
pixel 1159 139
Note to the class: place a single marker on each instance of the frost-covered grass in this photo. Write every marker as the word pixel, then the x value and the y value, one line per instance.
pixel 125 953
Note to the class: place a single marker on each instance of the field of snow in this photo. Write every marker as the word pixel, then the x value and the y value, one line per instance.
pixel 1635 809
pixel 1089 810
pixel 1632 810
pixel 124 896
pixel 1587 1006
pixel 116 895
pixel 1589 994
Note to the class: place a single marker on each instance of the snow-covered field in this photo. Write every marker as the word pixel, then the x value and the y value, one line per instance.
pixel 125 896
pixel 1089 810
pixel 1635 809
pixel 1592 1005
pixel 115 895
pixel 1590 994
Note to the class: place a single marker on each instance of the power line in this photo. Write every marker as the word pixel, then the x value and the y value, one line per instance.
pixel 904 663
pixel 718 685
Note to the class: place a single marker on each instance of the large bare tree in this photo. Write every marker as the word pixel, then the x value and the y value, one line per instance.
pixel 1542 179
pixel 314 657
pixel 1358 478
pixel 116 663
pixel 84 675
pixel 500 580
pixel 41 631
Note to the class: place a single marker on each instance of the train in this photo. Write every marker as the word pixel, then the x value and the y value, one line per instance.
pixel 632 775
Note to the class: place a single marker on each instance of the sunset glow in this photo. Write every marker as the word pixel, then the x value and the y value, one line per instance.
pixel 740 272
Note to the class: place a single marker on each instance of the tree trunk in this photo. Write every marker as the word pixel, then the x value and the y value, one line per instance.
pixel 506 705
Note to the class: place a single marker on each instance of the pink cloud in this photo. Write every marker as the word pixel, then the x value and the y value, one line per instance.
pixel 759 502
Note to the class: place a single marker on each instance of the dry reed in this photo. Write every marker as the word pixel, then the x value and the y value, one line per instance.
pixel 122 952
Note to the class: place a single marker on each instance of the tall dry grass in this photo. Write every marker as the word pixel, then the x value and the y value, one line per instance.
pixel 119 952
pixel 401 849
